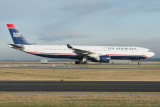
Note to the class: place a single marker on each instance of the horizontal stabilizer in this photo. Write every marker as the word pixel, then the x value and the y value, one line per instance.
pixel 19 47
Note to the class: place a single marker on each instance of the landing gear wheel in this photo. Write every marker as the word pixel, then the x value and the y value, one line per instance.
pixel 84 62
pixel 76 62
pixel 79 62
pixel 139 63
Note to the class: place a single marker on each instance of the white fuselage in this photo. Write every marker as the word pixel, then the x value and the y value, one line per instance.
pixel 113 51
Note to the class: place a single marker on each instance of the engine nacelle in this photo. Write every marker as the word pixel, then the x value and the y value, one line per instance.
pixel 104 58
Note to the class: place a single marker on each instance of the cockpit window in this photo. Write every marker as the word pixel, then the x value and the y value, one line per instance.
pixel 149 51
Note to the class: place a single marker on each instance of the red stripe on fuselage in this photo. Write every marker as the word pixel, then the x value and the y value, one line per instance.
pixel 76 54
pixel 11 26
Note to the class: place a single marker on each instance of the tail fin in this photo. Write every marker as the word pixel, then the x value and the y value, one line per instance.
pixel 16 35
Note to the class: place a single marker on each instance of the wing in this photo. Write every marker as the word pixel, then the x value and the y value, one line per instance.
pixel 95 57
pixel 83 52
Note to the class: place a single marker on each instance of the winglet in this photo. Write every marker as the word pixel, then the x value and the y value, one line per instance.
pixel 69 46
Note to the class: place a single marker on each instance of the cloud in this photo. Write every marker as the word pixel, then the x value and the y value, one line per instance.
pixel 16 9
pixel 153 10
pixel 85 7
pixel 121 12
pixel 30 9
pixel 54 36
pixel 127 7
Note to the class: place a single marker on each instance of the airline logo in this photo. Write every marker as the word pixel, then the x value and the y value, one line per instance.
pixel 16 34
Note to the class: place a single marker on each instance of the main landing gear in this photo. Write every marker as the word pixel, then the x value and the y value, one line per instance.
pixel 82 61
pixel 139 62
pixel 79 62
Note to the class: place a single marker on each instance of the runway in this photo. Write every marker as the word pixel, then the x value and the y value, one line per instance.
pixel 79 93
pixel 79 86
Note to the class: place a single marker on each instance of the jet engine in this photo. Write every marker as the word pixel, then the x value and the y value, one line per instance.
pixel 103 58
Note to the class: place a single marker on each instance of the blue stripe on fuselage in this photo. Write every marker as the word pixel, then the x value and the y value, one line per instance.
pixel 78 56
pixel 128 57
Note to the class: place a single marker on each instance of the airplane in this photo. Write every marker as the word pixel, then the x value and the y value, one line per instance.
pixel 81 54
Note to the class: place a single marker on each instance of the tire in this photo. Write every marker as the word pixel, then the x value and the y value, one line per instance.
pixel 85 62
pixel 139 63
pixel 76 62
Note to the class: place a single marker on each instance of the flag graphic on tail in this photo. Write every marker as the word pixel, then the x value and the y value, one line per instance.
pixel 16 35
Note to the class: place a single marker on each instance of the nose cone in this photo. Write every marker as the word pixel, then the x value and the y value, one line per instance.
pixel 151 54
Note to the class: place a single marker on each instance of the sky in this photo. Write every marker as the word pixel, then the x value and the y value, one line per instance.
pixel 82 22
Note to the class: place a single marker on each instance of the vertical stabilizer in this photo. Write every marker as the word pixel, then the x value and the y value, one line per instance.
pixel 16 35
